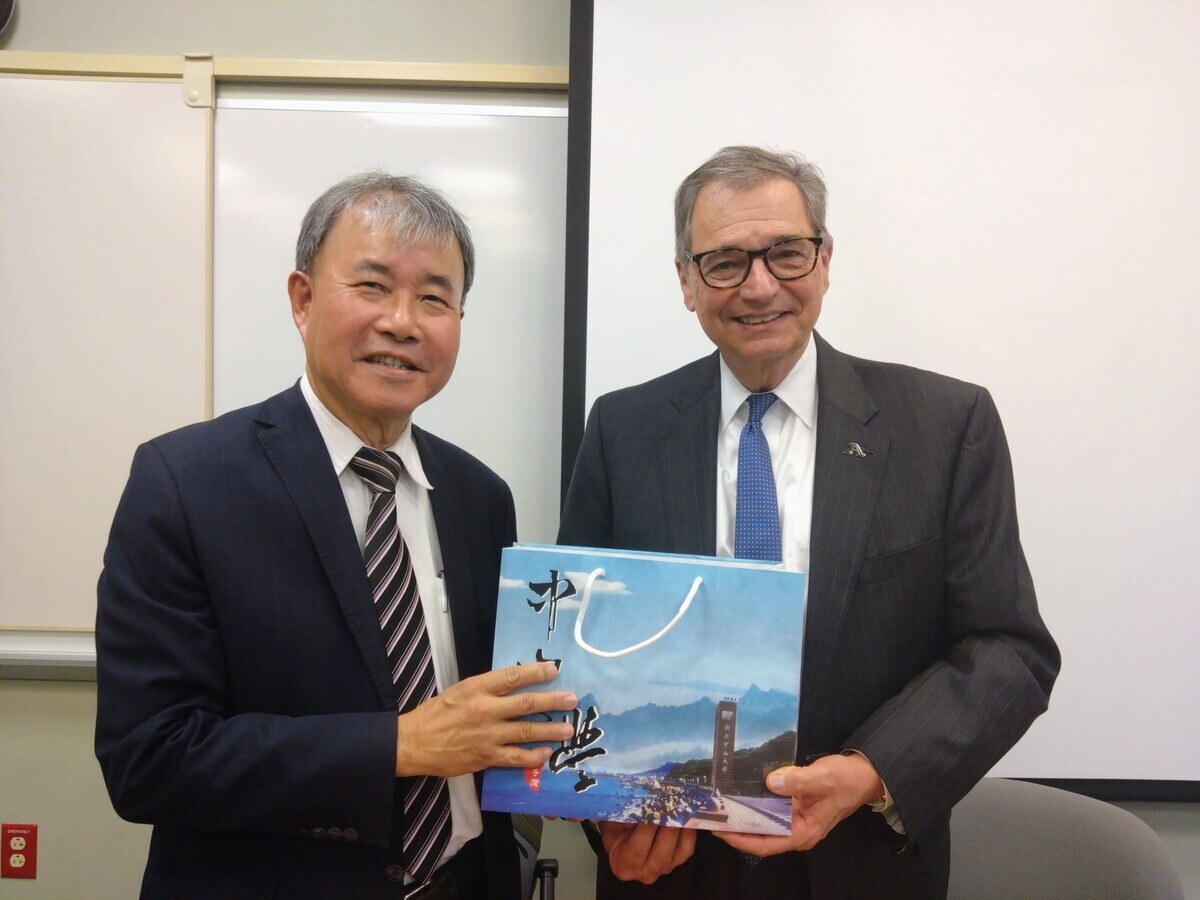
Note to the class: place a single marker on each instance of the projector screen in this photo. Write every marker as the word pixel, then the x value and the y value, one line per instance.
pixel 1013 196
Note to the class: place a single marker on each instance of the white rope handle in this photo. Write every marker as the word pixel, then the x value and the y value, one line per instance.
pixel 613 654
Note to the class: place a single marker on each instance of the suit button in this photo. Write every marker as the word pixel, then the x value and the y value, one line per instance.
pixel 334 834
pixel 394 873
pixel 317 833
pixel 350 835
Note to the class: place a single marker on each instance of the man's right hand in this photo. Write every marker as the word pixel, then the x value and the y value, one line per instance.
pixel 645 852
pixel 470 726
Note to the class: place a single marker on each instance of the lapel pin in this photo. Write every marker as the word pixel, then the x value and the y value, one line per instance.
pixel 853 449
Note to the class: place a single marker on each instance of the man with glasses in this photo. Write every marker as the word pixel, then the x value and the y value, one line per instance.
pixel 925 657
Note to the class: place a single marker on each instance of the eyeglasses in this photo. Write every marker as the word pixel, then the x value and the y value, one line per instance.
pixel 786 260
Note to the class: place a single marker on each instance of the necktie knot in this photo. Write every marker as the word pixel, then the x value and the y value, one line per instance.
pixel 759 404
pixel 378 468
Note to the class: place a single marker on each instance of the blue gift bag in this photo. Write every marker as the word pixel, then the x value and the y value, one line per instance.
pixel 687 670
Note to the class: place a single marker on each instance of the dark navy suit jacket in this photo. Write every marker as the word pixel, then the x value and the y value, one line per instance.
pixel 924 648
pixel 245 706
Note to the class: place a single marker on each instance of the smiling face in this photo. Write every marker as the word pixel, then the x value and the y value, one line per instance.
pixel 763 325
pixel 381 320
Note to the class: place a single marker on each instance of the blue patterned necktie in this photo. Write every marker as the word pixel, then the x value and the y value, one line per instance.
pixel 427 825
pixel 756 520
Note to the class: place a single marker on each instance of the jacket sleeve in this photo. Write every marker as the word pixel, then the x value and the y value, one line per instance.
pixel 946 727
pixel 176 742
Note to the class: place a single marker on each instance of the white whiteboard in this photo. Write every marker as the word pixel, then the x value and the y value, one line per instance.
pixel 102 323
pixel 1014 193
pixel 502 161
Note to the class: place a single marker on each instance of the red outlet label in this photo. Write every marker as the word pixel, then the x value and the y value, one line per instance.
pixel 18 851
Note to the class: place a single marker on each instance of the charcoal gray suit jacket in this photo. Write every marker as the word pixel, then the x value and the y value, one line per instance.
pixel 924 648
pixel 246 708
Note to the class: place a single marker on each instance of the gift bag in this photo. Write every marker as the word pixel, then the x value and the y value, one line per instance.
pixel 687 670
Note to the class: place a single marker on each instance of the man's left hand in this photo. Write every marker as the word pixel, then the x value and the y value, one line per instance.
pixel 822 793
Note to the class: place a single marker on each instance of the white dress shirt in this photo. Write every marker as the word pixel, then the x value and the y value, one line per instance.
pixel 790 427
pixel 414 516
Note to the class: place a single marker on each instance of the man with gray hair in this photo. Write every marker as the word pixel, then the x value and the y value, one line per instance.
pixel 298 598
pixel 925 657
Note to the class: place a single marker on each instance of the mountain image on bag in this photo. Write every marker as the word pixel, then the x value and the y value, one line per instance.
pixel 687 670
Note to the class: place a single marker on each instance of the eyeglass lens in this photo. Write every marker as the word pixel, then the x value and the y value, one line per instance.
pixel 787 259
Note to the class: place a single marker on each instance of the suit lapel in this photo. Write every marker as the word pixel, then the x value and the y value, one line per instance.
pixel 295 448
pixel 688 460
pixel 846 488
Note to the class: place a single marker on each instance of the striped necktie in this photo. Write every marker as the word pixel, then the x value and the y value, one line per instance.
pixel 398 603
pixel 756 518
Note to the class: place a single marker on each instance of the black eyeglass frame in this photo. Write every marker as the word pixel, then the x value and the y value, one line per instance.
pixel 752 255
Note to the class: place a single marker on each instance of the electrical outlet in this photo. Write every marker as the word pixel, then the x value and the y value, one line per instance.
pixel 18 851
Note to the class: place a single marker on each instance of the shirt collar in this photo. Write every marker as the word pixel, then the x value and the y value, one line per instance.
pixel 798 390
pixel 342 443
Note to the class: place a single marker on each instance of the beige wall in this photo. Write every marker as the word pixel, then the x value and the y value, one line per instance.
pixel 508 32
pixel 49 777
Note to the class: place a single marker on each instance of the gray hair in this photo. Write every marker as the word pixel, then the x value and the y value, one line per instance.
pixel 406 208
pixel 746 167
